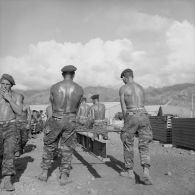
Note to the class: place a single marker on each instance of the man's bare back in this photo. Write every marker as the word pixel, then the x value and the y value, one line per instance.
pixel 97 111
pixel 65 97
pixel 83 110
pixel 133 95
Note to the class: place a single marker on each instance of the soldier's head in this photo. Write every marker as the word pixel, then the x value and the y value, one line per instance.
pixel 68 72
pixel 95 98
pixel 7 81
pixel 84 100
pixel 127 75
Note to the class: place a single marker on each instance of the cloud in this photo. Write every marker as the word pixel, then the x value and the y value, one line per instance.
pixel 181 58
pixel 98 63
pixel 135 21
pixel 101 62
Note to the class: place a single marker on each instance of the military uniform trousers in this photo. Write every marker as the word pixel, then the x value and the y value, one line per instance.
pixel 100 125
pixel 7 147
pixel 136 123
pixel 59 131
pixel 22 135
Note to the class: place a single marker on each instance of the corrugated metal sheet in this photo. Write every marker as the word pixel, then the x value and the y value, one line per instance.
pixel 183 132
pixel 160 130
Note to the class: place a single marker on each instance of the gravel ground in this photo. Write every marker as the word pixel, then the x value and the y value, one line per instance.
pixel 172 170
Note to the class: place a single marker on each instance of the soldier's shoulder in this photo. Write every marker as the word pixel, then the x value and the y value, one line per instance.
pixel 56 85
pixel 77 85
pixel 102 104
pixel 139 86
pixel 122 88
pixel 17 94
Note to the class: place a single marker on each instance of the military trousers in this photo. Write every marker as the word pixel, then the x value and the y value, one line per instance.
pixel 22 135
pixel 7 147
pixel 59 132
pixel 136 124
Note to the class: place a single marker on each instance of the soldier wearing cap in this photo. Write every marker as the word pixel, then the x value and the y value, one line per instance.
pixel 65 98
pixel 10 105
pixel 83 112
pixel 136 121
pixel 97 115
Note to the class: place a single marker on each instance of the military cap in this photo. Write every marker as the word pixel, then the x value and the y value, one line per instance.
pixel 126 71
pixel 69 68
pixel 96 96
pixel 84 98
pixel 9 78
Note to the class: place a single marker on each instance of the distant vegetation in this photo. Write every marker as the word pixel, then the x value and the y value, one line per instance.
pixel 179 94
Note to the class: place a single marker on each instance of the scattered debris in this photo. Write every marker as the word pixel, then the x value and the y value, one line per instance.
pixel 192 152
pixel 92 192
pixel 168 173
pixel 167 145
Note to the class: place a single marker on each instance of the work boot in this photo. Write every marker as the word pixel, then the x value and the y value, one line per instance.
pixel 64 179
pixel 128 173
pixel 147 180
pixel 7 184
pixel 44 175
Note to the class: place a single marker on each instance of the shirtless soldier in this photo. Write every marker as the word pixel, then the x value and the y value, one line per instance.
pixel 65 98
pixel 97 114
pixel 10 105
pixel 23 122
pixel 83 112
pixel 136 121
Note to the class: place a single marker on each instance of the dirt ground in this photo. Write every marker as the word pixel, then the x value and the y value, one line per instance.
pixel 172 170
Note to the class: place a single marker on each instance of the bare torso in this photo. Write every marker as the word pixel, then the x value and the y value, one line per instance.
pixel 6 112
pixel 24 115
pixel 133 95
pixel 97 111
pixel 65 97
pixel 84 110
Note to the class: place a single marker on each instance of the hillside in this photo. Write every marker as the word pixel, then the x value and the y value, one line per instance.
pixel 179 94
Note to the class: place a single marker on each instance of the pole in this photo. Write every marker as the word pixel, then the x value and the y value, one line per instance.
pixel 192 113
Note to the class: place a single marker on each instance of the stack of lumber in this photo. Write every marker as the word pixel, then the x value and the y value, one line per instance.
pixel 160 129
pixel 183 132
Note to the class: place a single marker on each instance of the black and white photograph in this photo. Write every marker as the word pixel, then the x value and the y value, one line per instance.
pixel 97 97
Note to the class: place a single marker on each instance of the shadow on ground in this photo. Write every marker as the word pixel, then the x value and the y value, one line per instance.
pixel 29 148
pixel 115 164
pixel 88 165
pixel 21 165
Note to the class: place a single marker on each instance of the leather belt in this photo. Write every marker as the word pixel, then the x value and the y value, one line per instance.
pixel 7 122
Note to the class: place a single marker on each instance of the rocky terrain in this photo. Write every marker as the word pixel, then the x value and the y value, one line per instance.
pixel 172 170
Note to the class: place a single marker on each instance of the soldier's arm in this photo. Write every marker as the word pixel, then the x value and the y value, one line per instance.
pixel 51 95
pixel 91 112
pixel 29 115
pixel 122 101
pixel 16 105
pixel 81 97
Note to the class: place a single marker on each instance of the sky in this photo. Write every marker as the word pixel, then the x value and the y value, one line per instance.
pixel 101 38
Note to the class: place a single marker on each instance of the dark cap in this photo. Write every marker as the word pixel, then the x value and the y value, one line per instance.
pixel 9 78
pixel 96 96
pixel 84 99
pixel 128 70
pixel 69 68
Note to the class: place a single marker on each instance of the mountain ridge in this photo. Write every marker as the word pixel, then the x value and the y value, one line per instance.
pixel 179 94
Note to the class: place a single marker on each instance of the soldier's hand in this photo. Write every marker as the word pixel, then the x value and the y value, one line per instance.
pixel 28 126
pixel 2 91
pixel 7 96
